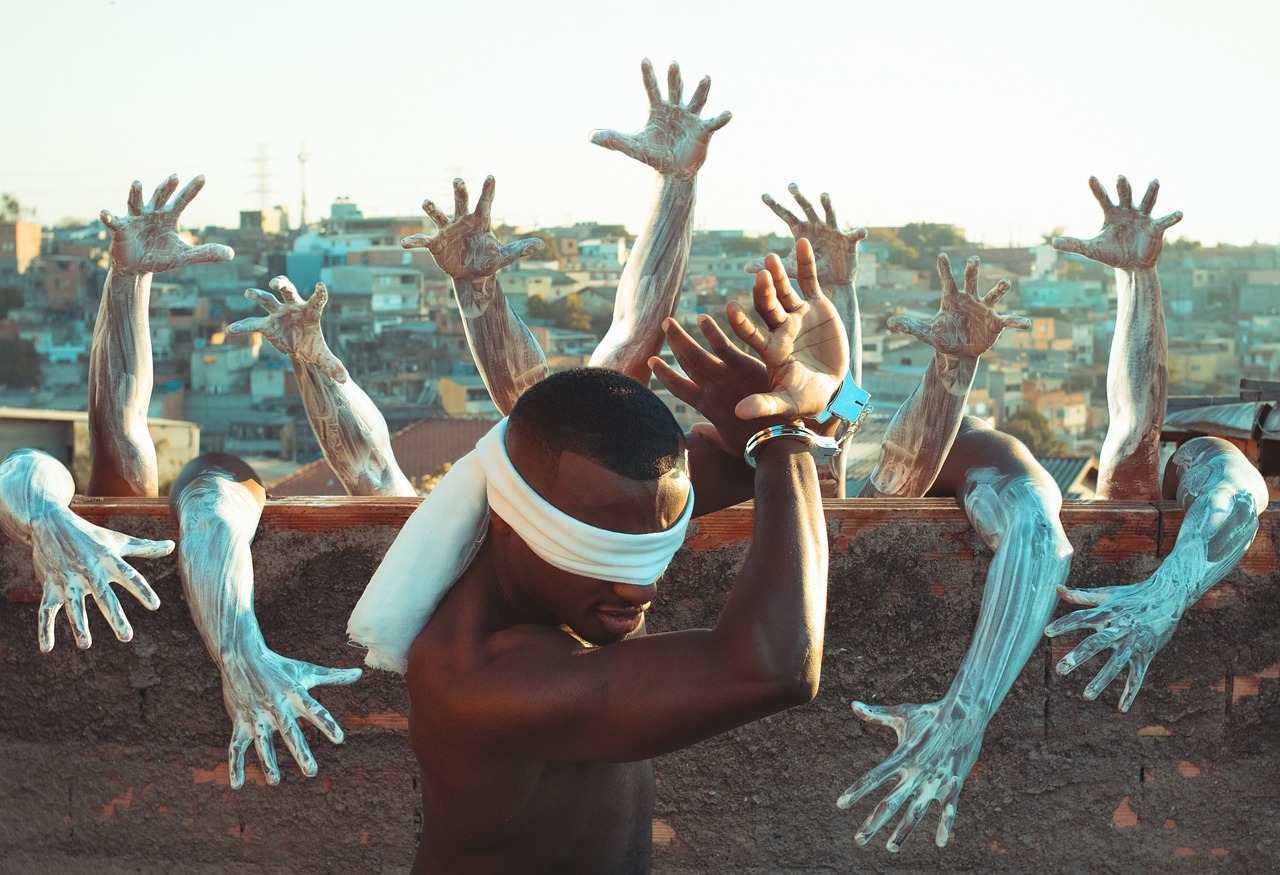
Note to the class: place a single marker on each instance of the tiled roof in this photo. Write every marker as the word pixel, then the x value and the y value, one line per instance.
pixel 1076 476
pixel 422 448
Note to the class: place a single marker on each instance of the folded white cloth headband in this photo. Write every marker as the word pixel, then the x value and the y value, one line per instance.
pixel 440 538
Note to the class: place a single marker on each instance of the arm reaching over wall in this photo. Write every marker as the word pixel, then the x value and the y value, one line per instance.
pixel 674 143
pixel 71 558
pixel 466 249
pixel 1223 495
pixel 144 241
pixel 1137 372
pixel 920 434
pixel 1013 505
pixel 352 432
pixel 217 500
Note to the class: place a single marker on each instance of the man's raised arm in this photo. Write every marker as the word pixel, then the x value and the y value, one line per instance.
pixel 507 356
pixel 1137 371
pixel 674 143
pixel 143 241
pixel 352 432
pixel 921 432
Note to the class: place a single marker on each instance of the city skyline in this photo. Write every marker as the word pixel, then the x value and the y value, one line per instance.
pixel 989 117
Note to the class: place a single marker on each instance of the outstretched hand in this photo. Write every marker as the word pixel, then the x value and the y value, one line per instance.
pixel 937 746
pixel 965 325
pixel 835 251
pixel 466 247
pixel 674 140
pixel 145 240
pixel 293 327
pixel 803 345
pixel 1133 622
pixel 267 693
pixel 1130 239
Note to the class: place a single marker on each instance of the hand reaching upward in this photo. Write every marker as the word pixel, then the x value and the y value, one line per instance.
pixel 145 239
pixel 674 140
pixel 835 251
pixel 293 327
pixel 965 325
pixel 1130 239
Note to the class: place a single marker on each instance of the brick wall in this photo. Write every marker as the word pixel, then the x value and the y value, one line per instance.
pixel 113 760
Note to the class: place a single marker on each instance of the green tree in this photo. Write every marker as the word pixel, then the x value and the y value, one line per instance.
pixel 927 239
pixel 1029 426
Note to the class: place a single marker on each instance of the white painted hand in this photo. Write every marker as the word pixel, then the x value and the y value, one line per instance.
pixel 965 325
pixel 293 327
pixel 835 251
pixel 1130 239
pixel 145 240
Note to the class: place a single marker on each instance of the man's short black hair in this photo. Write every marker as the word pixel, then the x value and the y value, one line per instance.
pixel 604 416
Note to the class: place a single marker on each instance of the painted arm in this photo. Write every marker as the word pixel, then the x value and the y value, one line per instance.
pixel 72 558
pixel 1137 371
pixel 217 502
pixel 921 432
pixel 143 242
pixel 351 431
pixel 1223 496
pixel 674 143
pixel 507 356
pixel 1014 506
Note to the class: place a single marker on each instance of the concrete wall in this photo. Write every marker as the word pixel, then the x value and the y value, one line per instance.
pixel 113 760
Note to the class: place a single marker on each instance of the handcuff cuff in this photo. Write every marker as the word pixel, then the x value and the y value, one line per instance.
pixel 848 406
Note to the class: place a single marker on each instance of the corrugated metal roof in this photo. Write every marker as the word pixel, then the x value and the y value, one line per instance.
pixel 1227 420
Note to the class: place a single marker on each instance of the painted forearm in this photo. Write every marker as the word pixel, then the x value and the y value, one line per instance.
pixel 1137 387
pixel 650 285
pixel 507 356
pixel 33 487
pixel 1019 521
pixel 217 518
pixel 922 431
pixel 120 382
pixel 845 297
pixel 352 433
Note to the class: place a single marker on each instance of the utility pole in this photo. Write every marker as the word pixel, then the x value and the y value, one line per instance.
pixel 263 176
pixel 302 172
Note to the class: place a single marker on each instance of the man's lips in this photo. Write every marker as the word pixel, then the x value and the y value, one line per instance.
pixel 621 620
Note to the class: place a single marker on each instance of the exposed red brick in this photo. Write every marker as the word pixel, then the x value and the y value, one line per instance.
pixel 1124 816
pixel 1188 770
pixel 1184 852
pixel 1155 731
pixel 378 720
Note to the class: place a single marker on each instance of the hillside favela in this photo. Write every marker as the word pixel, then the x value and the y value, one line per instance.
pixel 392 321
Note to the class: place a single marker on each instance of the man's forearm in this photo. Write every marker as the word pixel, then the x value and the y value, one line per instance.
pixel 650 285
pixel 507 356
pixel 774 614
pixel 1137 388
pixel 120 383
pixel 923 430
pixel 33 485
pixel 352 433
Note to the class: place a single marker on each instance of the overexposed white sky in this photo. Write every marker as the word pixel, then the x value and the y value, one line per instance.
pixel 989 114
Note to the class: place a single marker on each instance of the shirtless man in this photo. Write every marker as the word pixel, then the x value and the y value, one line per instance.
pixel 536 698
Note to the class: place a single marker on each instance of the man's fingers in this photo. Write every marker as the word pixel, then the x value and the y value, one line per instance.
pixel 948 812
pixel 1109 672
pixel 1085 651
pixel 297 745
pixel 675 382
pixel 803 202
pixel 881 814
pixel 485 203
pixel 188 193
pixel 1074 621
pixel 319 298
pixel 721 345
pixel 868 783
pixel 765 295
pixel 209 253
pixel 460 198
pixel 514 251
pixel 1169 221
pixel 1149 199
pixel 907 325
pixel 79 622
pixel 49 608
pixel 110 608
pixel 319 717
pixel 135 198
pixel 322 676
pixel 695 360
pixel 163 192
pixel 915 813
pixel 971 276
pixel 286 288
pixel 136 585
pixel 650 82
pixel 253 323
pixel 1073 245
pixel 617 142
pixel 829 210
pixel 718 122
pixel 699 99
pixel 1091 597
pixel 806 270
pixel 1133 683
pixel 993 297
pixel 1019 322
pixel 743 328
pixel 262 740
pixel 780 211
pixel 240 740
pixel 765 404
pixel 435 214
pixel 109 219
pixel 1124 193
pixel 891 716
pixel 1100 193
pixel 146 549
pixel 945 275
pixel 263 299
pixel 675 84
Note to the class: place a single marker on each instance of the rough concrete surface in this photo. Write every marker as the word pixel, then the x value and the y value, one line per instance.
pixel 114 759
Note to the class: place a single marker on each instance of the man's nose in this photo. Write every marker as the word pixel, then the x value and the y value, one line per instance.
pixel 636 594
